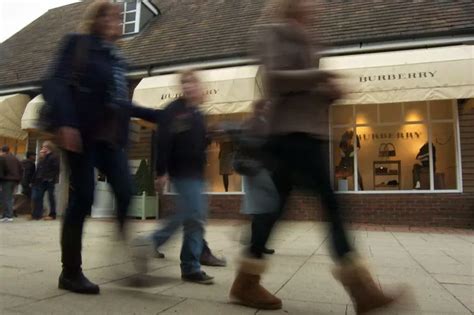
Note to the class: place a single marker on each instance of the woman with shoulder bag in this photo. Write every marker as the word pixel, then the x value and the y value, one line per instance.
pixel 93 113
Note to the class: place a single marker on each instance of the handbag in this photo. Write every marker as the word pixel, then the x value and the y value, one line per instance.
pixel 246 161
pixel 387 150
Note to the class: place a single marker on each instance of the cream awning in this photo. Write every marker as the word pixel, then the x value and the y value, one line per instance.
pixel 403 76
pixel 11 110
pixel 30 119
pixel 228 90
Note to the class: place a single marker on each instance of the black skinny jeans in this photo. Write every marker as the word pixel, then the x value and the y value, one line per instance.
pixel 113 163
pixel 300 160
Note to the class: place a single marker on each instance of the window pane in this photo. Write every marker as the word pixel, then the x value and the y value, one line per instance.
pixel 387 156
pixel 129 28
pixel 131 5
pixel 444 156
pixel 390 113
pixel 366 114
pixel 415 111
pixel 219 173
pixel 441 109
pixel 343 158
pixel 129 17
pixel 342 115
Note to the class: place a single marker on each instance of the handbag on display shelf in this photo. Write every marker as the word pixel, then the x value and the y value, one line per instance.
pixel 387 150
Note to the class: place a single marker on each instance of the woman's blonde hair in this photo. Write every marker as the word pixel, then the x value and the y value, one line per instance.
pixel 92 13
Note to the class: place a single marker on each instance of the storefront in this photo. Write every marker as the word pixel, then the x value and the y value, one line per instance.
pixel 398 129
pixel 401 134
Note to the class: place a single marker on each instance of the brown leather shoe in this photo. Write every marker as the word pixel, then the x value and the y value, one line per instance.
pixel 247 290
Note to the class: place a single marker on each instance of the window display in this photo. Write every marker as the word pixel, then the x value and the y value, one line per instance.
pixel 400 146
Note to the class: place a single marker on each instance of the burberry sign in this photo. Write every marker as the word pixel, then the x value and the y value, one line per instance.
pixel 167 96
pixel 398 76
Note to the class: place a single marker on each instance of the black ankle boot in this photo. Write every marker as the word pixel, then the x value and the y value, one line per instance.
pixel 77 283
pixel 268 251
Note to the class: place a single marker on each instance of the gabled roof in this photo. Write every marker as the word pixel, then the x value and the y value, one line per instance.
pixel 206 30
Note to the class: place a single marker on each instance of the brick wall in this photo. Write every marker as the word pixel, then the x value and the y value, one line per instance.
pixel 142 149
pixel 440 210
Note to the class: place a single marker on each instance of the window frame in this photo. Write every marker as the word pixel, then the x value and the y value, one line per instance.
pixel 136 21
pixel 427 120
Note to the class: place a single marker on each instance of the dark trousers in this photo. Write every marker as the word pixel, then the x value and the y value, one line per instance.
pixel 113 163
pixel 300 160
pixel 38 194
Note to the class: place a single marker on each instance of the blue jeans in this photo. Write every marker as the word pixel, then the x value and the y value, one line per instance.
pixel 192 214
pixel 7 198
pixel 113 162
pixel 38 194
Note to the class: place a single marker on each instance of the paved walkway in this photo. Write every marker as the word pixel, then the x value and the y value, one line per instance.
pixel 438 264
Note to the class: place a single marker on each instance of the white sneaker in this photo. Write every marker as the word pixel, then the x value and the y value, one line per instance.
pixel 9 220
pixel 4 219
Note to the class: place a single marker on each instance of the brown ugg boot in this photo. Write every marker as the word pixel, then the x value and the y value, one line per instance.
pixel 365 293
pixel 246 289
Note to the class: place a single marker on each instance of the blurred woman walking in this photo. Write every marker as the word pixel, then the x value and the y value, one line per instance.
pixel 300 96
pixel 89 94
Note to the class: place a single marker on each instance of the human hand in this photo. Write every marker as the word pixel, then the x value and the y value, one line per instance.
pixel 69 139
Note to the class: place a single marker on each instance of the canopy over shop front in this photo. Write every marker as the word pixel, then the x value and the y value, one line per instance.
pixel 31 116
pixel 228 90
pixel 11 110
pixel 403 76
pixel 30 119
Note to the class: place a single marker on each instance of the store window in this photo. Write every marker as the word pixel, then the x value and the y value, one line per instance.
pixel 395 147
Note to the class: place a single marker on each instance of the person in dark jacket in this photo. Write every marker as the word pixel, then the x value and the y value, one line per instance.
pixel 10 176
pixel 29 169
pixel 207 256
pixel 45 179
pixel 93 115
pixel 181 155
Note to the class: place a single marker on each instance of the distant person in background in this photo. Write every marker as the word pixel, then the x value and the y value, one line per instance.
pixel 29 169
pixel 11 173
pixel 45 180
pixel 24 204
